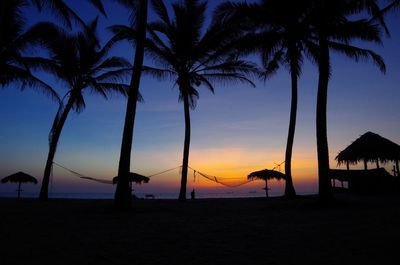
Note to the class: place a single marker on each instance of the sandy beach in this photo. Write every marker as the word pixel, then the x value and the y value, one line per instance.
pixel 355 230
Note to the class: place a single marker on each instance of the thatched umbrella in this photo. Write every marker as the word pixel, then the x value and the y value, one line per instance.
pixel 370 147
pixel 134 177
pixel 19 177
pixel 266 174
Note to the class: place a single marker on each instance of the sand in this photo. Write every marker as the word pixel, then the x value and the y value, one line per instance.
pixel 355 230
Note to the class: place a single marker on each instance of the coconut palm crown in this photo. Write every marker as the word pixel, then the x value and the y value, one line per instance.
pixel 181 51
pixel 138 10
pixel 79 64
pixel 14 41
pixel 335 30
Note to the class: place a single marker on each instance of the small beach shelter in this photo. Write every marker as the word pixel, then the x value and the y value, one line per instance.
pixel 19 177
pixel 370 147
pixel 266 174
pixel 134 177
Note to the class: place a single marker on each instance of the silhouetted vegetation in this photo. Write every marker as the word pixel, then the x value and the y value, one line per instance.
pixel 192 54
pixel 77 61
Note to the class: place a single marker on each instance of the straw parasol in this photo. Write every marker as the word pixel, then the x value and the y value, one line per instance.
pixel 370 147
pixel 19 177
pixel 134 177
pixel 266 174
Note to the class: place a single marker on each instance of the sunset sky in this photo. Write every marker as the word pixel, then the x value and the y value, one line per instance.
pixel 235 131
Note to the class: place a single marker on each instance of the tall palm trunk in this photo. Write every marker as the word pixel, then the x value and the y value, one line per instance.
pixel 123 198
pixel 289 188
pixel 185 162
pixel 325 190
pixel 44 190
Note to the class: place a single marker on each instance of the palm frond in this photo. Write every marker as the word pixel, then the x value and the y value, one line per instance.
pixel 24 79
pixel 159 73
pixel 116 76
pixel 133 7
pixel 109 63
pixel 358 53
pixel 271 64
pixel 228 78
pixel 98 4
pixel 161 10
pixel 105 88
pixel 360 29
pixel 121 33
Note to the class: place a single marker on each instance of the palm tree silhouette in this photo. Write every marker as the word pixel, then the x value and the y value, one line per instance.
pixel 378 13
pixel 14 65
pixel 77 61
pixel 334 31
pixel 63 12
pixel 192 59
pixel 281 36
pixel 138 9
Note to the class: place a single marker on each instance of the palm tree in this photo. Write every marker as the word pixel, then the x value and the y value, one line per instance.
pixel 138 9
pixel 14 65
pixel 281 36
pixel 63 12
pixel 334 31
pixel 181 51
pixel 81 65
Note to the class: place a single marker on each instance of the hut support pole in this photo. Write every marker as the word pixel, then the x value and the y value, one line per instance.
pixel 266 188
pixel 365 165
pixel 19 189
pixel 377 163
pixel 397 168
pixel 347 165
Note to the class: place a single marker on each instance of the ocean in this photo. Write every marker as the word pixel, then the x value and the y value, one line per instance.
pixel 159 195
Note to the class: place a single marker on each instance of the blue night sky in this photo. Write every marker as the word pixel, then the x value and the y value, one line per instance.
pixel 235 131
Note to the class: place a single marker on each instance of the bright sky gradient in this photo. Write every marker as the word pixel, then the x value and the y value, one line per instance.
pixel 237 130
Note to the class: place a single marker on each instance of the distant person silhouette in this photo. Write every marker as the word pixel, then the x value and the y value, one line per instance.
pixel 192 195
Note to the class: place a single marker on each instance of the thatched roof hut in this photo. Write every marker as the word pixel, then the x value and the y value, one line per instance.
pixel 370 147
pixel 371 181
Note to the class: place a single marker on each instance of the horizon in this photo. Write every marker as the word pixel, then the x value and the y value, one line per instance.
pixel 237 130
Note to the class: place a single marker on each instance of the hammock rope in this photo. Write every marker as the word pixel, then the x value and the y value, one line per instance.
pixel 227 182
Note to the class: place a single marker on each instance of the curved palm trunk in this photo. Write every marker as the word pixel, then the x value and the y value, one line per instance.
pixel 289 188
pixel 123 197
pixel 185 162
pixel 44 190
pixel 325 190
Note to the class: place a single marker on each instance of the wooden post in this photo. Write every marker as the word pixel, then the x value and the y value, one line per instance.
pixel 348 168
pixel 365 164
pixel 19 189
pixel 377 163
pixel 397 168
pixel 266 188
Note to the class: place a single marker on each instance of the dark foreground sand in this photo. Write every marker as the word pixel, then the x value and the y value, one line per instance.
pixel 356 230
